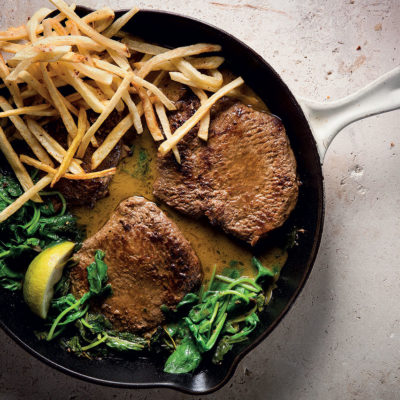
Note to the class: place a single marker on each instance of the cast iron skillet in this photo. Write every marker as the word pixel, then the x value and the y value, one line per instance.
pixel 147 372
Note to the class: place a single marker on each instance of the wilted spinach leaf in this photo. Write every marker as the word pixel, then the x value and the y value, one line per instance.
pixel 264 275
pixel 97 275
pixel 185 358
pixel 123 341
pixel 10 279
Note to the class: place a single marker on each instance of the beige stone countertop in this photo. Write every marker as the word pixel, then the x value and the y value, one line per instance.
pixel 341 340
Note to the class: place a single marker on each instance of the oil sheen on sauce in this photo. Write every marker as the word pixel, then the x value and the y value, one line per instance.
pixel 135 176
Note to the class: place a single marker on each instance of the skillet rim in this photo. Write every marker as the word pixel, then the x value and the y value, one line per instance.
pixel 313 253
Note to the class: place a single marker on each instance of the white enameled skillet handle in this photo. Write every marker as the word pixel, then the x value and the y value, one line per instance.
pixel 327 119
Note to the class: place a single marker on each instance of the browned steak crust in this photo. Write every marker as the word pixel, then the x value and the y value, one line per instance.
pixel 243 179
pixel 149 261
pixel 87 192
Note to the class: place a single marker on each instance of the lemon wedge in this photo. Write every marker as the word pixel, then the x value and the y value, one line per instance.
pixel 43 273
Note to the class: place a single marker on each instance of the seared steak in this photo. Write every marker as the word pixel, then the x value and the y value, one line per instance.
pixel 149 261
pixel 243 179
pixel 87 192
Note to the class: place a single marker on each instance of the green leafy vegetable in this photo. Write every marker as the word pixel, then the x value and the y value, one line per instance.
pixel 97 323
pixel 227 342
pixel 125 341
pixel 73 344
pixel 34 227
pixel 10 279
pixel 97 275
pixel 227 306
pixel 95 330
pixel 184 359
pixel 189 299
pixel 225 345
pixel 264 275
pixel 62 286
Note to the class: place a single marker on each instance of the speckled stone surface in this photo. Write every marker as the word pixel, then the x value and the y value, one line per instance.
pixel 341 340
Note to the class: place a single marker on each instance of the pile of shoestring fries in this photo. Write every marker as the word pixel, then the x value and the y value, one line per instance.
pixel 91 56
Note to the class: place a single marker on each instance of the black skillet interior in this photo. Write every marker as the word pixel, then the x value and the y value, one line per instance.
pixel 174 30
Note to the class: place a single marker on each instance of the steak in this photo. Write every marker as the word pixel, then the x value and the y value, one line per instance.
pixel 149 261
pixel 87 192
pixel 243 179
